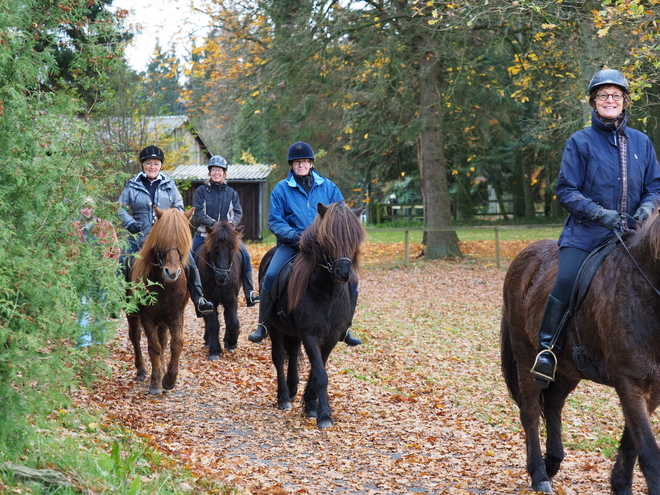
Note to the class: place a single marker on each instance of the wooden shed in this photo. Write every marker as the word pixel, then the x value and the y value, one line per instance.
pixel 250 183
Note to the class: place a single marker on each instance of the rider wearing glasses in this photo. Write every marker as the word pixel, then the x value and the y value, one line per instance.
pixel 149 188
pixel 608 172
pixel 293 205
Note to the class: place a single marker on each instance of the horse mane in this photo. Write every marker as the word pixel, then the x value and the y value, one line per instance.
pixel 222 233
pixel 644 243
pixel 171 230
pixel 335 232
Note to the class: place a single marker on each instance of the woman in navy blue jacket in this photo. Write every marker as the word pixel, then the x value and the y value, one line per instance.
pixel 293 205
pixel 608 172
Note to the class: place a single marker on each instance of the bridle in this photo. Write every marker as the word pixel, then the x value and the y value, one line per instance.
pixel 330 263
pixel 160 255
pixel 220 273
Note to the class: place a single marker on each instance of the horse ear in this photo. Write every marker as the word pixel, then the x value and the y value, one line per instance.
pixel 158 211
pixel 321 208
pixel 189 213
pixel 239 228
pixel 359 211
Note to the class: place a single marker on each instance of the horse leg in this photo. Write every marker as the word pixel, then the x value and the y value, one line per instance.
pixel 156 357
pixel 135 334
pixel 554 398
pixel 530 413
pixel 232 325
pixel 212 334
pixel 293 378
pixel 316 390
pixel 637 414
pixel 622 473
pixel 176 346
pixel 278 357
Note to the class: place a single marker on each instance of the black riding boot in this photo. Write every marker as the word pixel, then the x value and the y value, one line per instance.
pixel 251 295
pixel 347 336
pixel 551 340
pixel 202 306
pixel 260 331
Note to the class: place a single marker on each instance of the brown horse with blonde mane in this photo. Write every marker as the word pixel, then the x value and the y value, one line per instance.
pixel 314 309
pixel 159 268
pixel 615 336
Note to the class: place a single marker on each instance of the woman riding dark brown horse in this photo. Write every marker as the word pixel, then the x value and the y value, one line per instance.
pixel 617 331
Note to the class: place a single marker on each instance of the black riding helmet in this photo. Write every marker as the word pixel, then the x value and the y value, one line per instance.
pixel 300 151
pixel 152 152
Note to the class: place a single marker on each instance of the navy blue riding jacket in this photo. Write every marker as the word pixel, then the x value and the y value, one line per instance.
pixel 591 177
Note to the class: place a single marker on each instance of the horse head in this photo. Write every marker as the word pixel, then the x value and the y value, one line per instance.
pixel 167 245
pixel 220 249
pixel 342 229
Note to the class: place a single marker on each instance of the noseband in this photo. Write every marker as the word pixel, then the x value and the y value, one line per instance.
pixel 330 263
pixel 161 255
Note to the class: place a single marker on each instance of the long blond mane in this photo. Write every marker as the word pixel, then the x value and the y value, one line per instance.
pixel 171 231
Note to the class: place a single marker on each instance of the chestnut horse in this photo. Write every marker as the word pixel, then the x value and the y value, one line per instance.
pixel 220 271
pixel 160 268
pixel 314 309
pixel 617 325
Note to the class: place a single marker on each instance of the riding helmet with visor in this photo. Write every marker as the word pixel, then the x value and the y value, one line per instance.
pixel 300 151
pixel 607 77
pixel 217 161
pixel 152 152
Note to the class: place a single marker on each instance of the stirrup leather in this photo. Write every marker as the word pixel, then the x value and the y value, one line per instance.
pixel 543 376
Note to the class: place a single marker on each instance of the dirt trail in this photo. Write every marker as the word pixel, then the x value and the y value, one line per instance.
pixel 420 407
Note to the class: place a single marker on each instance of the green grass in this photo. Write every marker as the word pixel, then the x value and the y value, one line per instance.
pixel 471 234
pixel 94 457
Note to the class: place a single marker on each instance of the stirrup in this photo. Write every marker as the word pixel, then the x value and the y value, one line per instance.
pixel 349 339
pixel 259 333
pixel 253 297
pixel 204 307
pixel 544 375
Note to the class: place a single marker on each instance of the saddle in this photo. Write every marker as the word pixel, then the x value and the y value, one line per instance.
pixel 279 286
pixel 582 357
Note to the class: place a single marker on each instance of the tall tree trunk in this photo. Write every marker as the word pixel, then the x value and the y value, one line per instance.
pixel 431 155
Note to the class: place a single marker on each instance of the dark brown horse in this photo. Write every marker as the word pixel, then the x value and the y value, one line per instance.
pixel 160 268
pixel 617 325
pixel 219 264
pixel 315 308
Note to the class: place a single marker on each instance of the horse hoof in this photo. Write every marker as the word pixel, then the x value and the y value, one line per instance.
pixel 326 423
pixel 155 391
pixel 214 357
pixel 230 350
pixel 310 414
pixel 141 378
pixel 284 405
pixel 544 487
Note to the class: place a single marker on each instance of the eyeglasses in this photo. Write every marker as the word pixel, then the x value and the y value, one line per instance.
pixel 301 162
pixel 605 96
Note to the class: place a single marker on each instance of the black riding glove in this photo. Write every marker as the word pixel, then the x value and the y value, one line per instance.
pixel 608 218
pixel 643 213
pixel 133 228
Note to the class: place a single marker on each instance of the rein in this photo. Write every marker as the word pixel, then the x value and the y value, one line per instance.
pixel 639 268
pixel 226 271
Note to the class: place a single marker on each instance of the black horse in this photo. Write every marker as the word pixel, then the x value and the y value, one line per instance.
pixel 314 307
pixel 617 326
pixel 219 270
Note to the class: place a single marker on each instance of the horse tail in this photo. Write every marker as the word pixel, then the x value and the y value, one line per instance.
pixel 509 363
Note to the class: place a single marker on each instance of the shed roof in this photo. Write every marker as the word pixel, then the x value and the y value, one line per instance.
pixel 234 172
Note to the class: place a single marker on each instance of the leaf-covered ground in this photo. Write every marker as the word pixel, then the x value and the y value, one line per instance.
pixel 420 407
